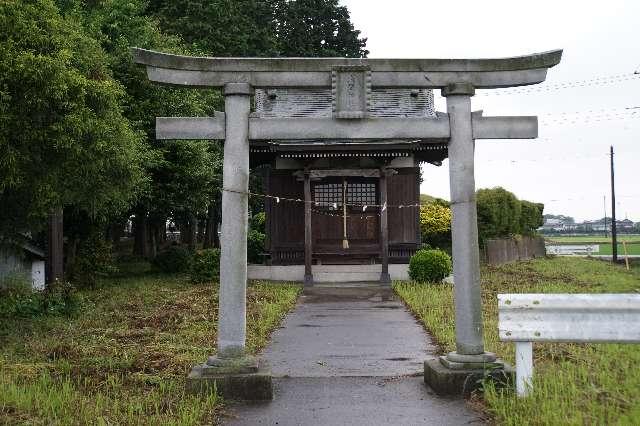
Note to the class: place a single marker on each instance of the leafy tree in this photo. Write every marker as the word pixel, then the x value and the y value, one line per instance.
pixel 530 217
pixel 426 199
pixel 220 27
pixel 501 214
pixel 435 225
pixel 256 28
pixel 181 173
pixel 318 28
pixel 262 28
pixel 64 139
pixel 498 213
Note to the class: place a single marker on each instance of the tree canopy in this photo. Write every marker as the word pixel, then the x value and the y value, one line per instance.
pixel 501 214
pixel 262 28
pixel 77 116
pixel 64 137
pixel 435 224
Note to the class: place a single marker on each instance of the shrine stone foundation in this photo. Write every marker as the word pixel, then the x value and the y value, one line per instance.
pixel 351 82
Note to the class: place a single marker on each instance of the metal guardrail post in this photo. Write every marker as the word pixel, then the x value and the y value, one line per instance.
pixel 524 368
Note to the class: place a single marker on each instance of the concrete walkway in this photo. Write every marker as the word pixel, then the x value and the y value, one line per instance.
pixel 350 356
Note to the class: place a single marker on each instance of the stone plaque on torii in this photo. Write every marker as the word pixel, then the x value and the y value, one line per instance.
pixel 237 374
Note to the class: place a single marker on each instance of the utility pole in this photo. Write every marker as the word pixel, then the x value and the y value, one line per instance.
pixel 614 233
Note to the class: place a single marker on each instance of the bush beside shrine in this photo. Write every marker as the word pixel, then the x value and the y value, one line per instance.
pixel 255 246
pixel 205 266
pixel 429 265
pixel 173 259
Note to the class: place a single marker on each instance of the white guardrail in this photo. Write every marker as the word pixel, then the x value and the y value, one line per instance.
pixel 567 249
pixel 581 318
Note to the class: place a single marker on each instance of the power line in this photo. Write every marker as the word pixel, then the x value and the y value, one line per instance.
pixel 586 118
pixel 592 82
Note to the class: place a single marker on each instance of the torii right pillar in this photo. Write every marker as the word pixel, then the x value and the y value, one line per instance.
pixel 460 371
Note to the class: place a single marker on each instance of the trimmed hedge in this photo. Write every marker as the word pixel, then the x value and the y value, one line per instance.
pixel 429 265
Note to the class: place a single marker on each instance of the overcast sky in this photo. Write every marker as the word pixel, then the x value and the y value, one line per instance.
pixel 567 168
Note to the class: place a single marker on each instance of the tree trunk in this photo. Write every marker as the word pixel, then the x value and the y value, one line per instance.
pixel 193 231
pixel 202 225
pixel 55 247
pixel 141 234
pixel 115 231
pixel 153 249
pixel 183 228
pixel 209 228
pixel 216 236
pixel 72 252
pixel 162 235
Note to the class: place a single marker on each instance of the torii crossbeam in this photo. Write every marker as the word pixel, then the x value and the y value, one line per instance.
pixel 351 82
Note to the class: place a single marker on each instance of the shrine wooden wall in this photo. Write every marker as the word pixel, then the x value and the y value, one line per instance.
pixel 285 220
pixel 404 223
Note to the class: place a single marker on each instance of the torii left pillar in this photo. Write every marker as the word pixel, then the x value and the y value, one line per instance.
pixel 232 372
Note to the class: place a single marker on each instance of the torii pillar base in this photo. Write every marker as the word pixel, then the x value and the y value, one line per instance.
pixel 448 378
pixel 244 379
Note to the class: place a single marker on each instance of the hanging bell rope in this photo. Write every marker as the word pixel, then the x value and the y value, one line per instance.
pixel 345 241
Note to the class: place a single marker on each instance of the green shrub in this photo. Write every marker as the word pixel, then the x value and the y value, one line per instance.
pixel 173 259
pixel 430 265
pixel 205 266
pixel 435 225
pixel 255 246
pixel 60 298
pixel 18 299
pixel 258 222
pixel 94 259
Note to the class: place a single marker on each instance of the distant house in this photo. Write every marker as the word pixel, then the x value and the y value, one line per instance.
pixel 600 225
pixel 25 259
pixel 624 225
pixel 554 225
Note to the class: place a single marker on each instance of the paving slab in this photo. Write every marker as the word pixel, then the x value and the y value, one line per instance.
pixel 351 355
pixel 367 401
pixel 348 332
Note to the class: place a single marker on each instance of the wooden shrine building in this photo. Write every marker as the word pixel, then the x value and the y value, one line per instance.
pixel 349 182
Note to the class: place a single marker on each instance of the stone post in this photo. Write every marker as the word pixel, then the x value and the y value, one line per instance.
pixel 234 373
pixel 464 227
pixel 460 371
pixel 235 208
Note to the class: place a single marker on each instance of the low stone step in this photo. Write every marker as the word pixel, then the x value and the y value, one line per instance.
pixel 336 277
pixel 326 273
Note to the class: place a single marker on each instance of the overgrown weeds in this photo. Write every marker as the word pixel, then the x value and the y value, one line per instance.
pixel 574 384
pixel 19 300
pixel 123 359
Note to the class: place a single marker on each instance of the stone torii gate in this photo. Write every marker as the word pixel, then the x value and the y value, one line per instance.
pixel 237 374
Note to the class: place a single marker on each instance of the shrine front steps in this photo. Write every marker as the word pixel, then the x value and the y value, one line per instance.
pixel 327 273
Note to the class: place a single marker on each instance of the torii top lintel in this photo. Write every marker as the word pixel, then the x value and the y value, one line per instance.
pixel 317 72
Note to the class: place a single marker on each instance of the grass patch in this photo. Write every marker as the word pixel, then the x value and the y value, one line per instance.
pixel 632 248
pixel 124 358
pixel 574 383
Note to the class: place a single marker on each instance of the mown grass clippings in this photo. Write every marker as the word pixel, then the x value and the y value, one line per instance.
pixel 574 383
pixel 124 358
